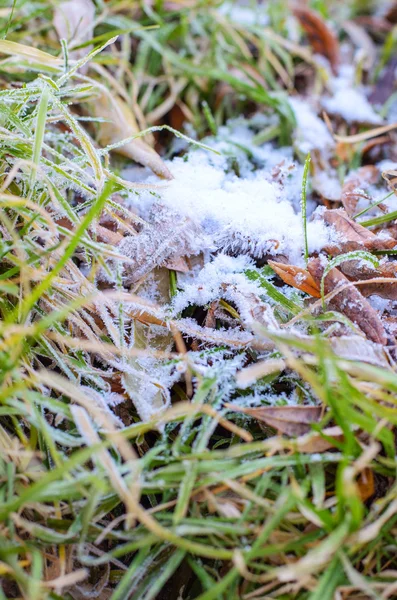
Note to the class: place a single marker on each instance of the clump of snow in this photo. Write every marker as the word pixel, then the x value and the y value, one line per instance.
pixel 311 132
pixel 254 211
pixel 349 100
pixel 244 15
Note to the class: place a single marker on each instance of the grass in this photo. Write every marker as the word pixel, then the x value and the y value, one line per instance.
pixel 200 502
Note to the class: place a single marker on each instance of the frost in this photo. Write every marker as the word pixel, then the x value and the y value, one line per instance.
pixel 311 133
pixel 349 101
pixel 256 213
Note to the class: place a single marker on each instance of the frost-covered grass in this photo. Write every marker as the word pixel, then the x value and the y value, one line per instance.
pixel 144 325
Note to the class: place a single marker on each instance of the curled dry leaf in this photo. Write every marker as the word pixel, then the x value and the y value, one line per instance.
pixel 321 38
pixel 296 277
pixel 121 125
pixel 291 420
pixel 350 302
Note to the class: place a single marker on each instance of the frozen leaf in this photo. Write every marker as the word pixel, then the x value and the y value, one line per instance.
pixel 290 420
pixel 121 124
pixel 353 187
pixel 361 39
pixel 349 301
pixel 74 22
pixel 321 38
pixel 357 271
pixel 349 230
pixel 296 277
pixel 354 236
pixel 357 348
pixel 167 236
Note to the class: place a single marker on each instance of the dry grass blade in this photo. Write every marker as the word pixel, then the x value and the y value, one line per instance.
pixel 249 375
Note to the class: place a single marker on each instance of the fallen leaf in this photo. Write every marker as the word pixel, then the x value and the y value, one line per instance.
pixel 350 302
pixel 167 236
pixel 354 184
pixel 355 347
pixel 366 484
pixel 353 236
pixel 74 22
pixel 360 38
pixel 121 124
pixel 315 442
pixel 290 420
pixel 177 263
pixel 321 38
pixel 296 277
pixel 358 271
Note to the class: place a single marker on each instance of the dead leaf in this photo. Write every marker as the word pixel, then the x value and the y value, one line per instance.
pixel 167 236
pixel 354 347
pixel 177 263
pixel 296 277
pixel 357 271
pixel 321 38
pixel 290 420
pixel 360 38
pixel 74 22
pixel 350 302
pixel 315 442
pixel 122 124
pixel 366 484
pixel 354 185
pixel 353 235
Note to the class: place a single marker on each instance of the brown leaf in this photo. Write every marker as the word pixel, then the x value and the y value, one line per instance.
pixel 366 484
pixel 354 347
pixel 291 420
pixel 346 227
pixel 315 442
pixel 177 263
pixel 354 184
pixel 123 125
pixel 321 38
pixel 357 271
pixel 353 235
pixel 296 277
pixel 350 302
